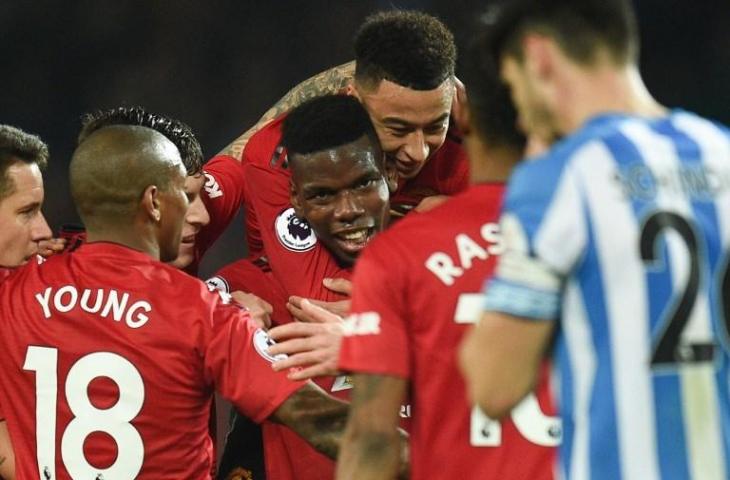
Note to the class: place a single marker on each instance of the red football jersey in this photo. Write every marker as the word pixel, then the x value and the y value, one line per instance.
pixel 287 456
pixel 110 359
pixel 413 300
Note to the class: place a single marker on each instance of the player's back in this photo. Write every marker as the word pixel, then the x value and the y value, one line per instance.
pixel 643 348
pixel 103 367
pixel 443 257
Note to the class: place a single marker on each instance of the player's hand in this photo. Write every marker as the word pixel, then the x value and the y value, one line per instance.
pixel 429 203
pixel 340 308
pixel 259 309
pixel 312 348
pixel 49 247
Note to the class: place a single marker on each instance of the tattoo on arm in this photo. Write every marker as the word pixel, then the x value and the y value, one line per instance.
pixel 330 81
pixel 373 446
pixel 316 416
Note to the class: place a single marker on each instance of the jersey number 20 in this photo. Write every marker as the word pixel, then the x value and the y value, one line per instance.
pixel 114 421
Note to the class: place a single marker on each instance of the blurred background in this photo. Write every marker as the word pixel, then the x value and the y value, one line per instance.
pixel 219 64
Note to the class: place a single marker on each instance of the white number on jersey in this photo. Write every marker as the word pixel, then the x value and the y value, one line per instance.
pixel 529 419
pixel 114 421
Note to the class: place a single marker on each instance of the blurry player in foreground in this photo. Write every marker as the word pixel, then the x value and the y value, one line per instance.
pixel 136 345
pixel 617 239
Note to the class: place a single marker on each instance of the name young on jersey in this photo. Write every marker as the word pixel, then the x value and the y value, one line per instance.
pixel 104 303
pixel 448 268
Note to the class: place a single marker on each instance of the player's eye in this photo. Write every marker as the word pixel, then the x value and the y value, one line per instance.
pixel 436 129
pixel 320 196
pixel 367 183
pixel 399 132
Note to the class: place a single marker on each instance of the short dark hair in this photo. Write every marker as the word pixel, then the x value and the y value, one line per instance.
pixel 18 146
pixel 581 28
pixel 492 113
pixel 176 131
pixel 326 122
pixel 409 48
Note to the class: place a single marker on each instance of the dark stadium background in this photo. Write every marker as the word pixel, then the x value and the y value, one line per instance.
pixel 218 65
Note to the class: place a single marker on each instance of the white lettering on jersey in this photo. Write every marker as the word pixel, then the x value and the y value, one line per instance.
pixel 211 186
pixel 367 323
pixel 66 298
pixel 445 267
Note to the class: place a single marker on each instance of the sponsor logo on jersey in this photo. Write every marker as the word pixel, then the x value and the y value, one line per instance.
pixel 294 233
pixel 211 186
pixel 218 283
pixel 262 342
pixel 367 323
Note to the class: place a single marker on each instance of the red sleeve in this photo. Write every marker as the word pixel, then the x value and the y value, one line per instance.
pixel 298 261
pixel 237 363
pixel 223 194
pixel 245 276
pixel 376 337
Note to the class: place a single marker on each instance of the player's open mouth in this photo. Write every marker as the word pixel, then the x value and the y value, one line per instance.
pixel 354 240
pixel 188 239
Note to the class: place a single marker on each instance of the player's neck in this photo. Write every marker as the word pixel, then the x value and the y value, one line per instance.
pixel 129 237
pixel 603 90
pixel 491 164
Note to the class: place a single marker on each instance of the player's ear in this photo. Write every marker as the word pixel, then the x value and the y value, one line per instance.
pixel 391 174
pixel 351 89
pixel 150 203
pixel 462 117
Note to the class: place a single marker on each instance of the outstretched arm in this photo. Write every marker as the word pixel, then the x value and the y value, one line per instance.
pixel 370 446
pixel 328 82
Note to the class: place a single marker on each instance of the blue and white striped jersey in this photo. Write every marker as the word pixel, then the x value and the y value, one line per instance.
pixel 621 233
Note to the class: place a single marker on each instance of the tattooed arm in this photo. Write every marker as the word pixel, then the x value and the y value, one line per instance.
pixel 7 459
pixel 370 447
pixel 330 81
pixel 316 416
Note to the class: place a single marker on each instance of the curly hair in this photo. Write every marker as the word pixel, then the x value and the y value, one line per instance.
pixel 176 131
pixel 18 146
pixel 410 48
pixel 326 122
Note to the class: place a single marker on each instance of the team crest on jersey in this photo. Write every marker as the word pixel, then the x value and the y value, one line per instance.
pixel 293 232
pixel 218 283
pixel 261 342
pixel 226 297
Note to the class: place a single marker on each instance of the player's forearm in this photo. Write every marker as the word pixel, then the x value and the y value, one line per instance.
pixel 369 454
pixel 316 416
pixel 373 446
pixel 328 82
